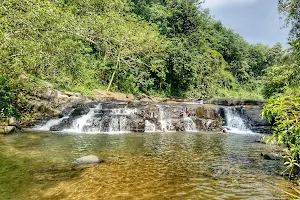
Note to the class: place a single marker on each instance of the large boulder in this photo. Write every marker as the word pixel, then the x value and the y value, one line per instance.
pixel 272 156
pixel 7 129
pixel 81 110
pixel 11 121
pixel 137 125
pixel 253 115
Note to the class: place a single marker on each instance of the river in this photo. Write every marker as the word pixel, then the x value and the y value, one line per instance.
pixel 195 165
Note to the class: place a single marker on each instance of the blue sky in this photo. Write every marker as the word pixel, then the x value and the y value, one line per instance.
pixel 258 21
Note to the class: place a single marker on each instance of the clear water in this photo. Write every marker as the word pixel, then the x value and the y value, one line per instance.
pixel 138 166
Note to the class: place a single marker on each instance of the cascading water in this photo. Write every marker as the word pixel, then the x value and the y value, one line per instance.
pixel 149 127
pixel 84 121
pixel 234 122
pixel 168 120
pixel 99 118
pixel 189 124
pixel 165 119
pixel 116 117
pixel 51 122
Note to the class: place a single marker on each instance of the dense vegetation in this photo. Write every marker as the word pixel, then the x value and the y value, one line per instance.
pixel 156 47
pixel 283 88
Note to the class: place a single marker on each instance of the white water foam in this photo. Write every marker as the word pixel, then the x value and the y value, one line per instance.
pixel 85 120
pixel 118 122
pixel 50 123
pixel 234 122
pixel 100 119
pixel 149 127
pixel 165 120
pixel 189 124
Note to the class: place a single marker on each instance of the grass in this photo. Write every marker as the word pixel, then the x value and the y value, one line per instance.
pixel 240 93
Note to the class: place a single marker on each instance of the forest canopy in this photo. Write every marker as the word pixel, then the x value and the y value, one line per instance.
pixel 156 47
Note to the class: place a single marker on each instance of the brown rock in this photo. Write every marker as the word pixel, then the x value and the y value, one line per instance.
pixel 12 121
pixel 3 123
pixel 208 112
pixel 7 129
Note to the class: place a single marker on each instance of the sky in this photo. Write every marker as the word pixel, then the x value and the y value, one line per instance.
pixel 258 21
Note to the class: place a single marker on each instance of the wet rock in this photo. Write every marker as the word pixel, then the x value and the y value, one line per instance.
pixel 82 110
pixel 272 156
pixel 252 116
pixel 208 124
pixel 179 125
pixel 260 141
pixel 64 124
pixel 137 125
pixel 220 170
pixel 208 112
pixel 234 102
pixel 91 159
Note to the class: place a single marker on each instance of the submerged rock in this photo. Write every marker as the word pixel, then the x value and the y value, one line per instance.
pixel 91 159
pixel 260 141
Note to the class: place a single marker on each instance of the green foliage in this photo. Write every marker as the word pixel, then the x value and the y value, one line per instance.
pixel 7 100
pixel 282 85
pixel 290 9
pixel 281 79
pixel 284 112
pixel 166 48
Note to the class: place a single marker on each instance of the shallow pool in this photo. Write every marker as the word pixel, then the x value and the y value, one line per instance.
pixel 38 165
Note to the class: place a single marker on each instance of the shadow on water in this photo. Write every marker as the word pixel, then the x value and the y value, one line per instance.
pixel 146 165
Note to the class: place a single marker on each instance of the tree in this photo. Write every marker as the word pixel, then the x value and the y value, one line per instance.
pixel 291 10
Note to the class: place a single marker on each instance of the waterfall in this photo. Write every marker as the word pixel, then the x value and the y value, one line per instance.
pixel 149 127
pixel 50 123
pixel 234 122
pixel 84 121
pixel 165 119
pixel 119 122
pixel 189 124
pixel 116 117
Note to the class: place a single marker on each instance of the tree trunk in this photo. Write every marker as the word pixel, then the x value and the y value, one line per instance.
pixel 112 77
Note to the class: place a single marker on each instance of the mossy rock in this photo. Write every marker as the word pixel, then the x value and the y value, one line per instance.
pixel 208 112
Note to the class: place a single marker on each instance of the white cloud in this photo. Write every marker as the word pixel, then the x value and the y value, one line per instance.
pixel 226 3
